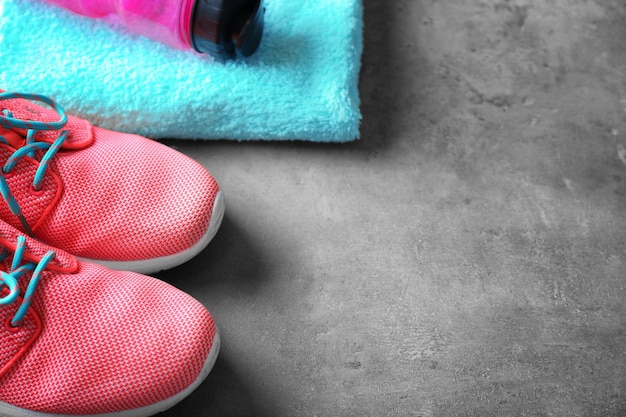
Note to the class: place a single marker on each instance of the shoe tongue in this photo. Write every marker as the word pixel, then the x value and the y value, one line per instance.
pixel 80 131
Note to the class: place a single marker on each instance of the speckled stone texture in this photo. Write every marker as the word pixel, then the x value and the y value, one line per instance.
pixel 466 257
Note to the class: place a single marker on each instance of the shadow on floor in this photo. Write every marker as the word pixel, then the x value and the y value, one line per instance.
pixel 230 268
pixel 223 393
pixel 231 262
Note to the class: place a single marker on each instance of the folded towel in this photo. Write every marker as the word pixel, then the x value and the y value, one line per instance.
pixel 300 84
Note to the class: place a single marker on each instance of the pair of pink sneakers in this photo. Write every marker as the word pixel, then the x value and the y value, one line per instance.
pixel 81 206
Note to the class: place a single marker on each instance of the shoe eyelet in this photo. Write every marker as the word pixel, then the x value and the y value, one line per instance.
pixel 8 175
pixel 11 328
pixel 35 191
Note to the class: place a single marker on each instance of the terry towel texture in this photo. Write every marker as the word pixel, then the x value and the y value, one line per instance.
pixel 302 83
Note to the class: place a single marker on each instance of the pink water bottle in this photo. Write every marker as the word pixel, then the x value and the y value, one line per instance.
pixel 221 28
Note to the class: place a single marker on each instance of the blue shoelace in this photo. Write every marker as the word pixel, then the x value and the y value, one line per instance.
pixel 18 269
pixel 29 148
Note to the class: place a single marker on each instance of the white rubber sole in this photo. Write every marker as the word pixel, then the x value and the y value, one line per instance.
pixel 154 265
pixel 7 410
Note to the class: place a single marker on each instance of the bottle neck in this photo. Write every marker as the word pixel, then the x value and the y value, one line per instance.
pixel 185 21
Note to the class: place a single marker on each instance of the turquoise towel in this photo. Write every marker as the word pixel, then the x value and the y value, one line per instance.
pixel 301 84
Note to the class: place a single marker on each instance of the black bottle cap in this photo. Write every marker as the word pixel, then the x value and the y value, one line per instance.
pixel 227 28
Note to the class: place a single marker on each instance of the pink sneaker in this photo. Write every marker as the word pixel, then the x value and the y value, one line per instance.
pixel 118 199
pixel 80 339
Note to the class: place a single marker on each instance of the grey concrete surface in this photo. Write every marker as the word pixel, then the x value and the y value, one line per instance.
pixel 466 257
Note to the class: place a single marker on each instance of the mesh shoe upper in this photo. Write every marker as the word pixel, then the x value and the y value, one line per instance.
pixel 95 340
pixel 105 195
